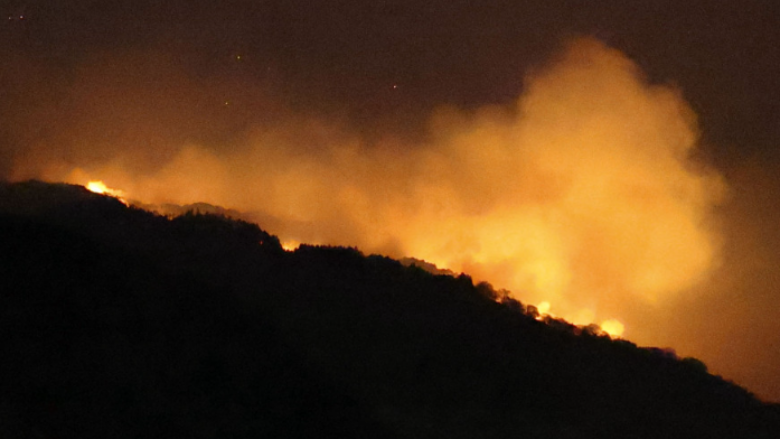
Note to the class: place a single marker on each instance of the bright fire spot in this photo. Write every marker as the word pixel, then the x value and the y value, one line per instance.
pixel 612 327
pixel 291 245
pixel 99 187
pixel 544 308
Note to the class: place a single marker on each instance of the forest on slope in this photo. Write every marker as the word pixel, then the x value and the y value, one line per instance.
pixel 118 322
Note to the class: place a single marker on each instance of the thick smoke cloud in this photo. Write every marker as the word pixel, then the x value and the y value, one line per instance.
pixel 582 194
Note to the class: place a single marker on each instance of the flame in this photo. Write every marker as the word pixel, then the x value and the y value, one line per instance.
pixel 98 187
pixel 290 245
pixel 613 327
pixel 584 317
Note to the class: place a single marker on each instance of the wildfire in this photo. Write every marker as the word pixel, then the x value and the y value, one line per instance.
pixel 579 196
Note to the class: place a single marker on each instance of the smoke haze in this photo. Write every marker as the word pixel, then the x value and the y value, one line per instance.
pixel 582 193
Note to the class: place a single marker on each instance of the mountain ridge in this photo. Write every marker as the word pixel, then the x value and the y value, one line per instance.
pixel 170 318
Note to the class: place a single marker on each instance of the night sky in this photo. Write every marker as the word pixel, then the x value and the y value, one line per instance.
pixel 158 89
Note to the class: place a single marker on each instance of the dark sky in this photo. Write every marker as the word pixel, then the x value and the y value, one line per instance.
pixel 173 72
pixel 347 56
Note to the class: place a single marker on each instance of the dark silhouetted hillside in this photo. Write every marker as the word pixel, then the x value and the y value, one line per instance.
pixel 117 322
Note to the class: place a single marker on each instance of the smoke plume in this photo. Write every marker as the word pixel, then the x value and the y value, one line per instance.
pixel 583 193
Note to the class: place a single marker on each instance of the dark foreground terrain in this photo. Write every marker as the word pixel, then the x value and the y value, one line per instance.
pixel 118 323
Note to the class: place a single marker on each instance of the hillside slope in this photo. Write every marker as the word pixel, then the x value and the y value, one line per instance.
pixel 120 323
